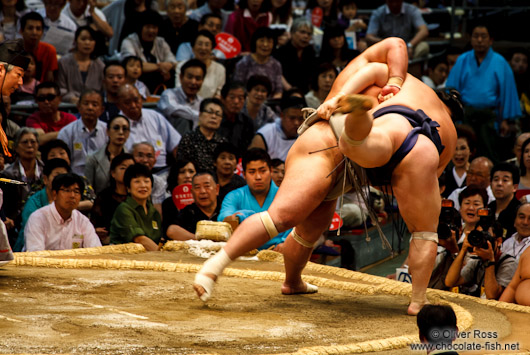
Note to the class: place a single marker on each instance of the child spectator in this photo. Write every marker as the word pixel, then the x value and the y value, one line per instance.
pixel 24 93
pixel 133 71
pixel 277 171
pixel 349 22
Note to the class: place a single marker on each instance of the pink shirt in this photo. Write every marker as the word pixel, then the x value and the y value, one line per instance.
pixel 46 230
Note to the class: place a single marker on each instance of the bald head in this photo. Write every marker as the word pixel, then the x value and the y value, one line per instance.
pixel 130 102
pixel 479 171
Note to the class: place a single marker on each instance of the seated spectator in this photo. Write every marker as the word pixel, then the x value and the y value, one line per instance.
pixel 437 71
pixel 32 28
pixel 256 197
pixel 519 241
pixel 517 146
pixel 261 62
pixel 110 198
pixel 98 164
pixel 258 89
pixel 519 64
pixel 350 22
pixel 58 149
pixel 278 137
pixel 113 79
pixel 79 70
pixel 147 125
pixel 504 182
pixel 215 77
pixel 327 8
pixel 478 175
pixel 297 57
pixel 478 276
pixel 199 145
pixel 321 84
pixel 158 63
pixel 133 71
pixel 471 199
pixel 136 220
pixel 86 13
pixel 10 14
pixel 204 208
pixel 211 7
pixel 41 198
pixel 25 92
pixel 243 22
pixel 226 157
pixel 61 24
pixel 209 22
pixel 60 226
pixel 518 289
pixel 277 171
pixel 282 19
pixel 437 325
pixel 178 28
pixel 524 183
pixel 335 48
pixel 88 134
pixel 181 105
pixel 456 170
pixel 238 128
pixel 48 120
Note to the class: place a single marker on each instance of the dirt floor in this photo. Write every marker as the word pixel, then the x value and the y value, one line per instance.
pixel 98 311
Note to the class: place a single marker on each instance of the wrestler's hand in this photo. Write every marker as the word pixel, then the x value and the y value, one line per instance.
pixel 387 92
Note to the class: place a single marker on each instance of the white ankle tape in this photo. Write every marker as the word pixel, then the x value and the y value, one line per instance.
pixel 268 224
pixel 216 264
pixel 429 236
pixel 350 141
pixel 301 241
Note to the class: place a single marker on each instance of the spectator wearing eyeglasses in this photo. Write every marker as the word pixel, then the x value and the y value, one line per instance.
pixel 48 120
pixel 199 146
pixel 87 135
pixel 98 164
pixel 59 225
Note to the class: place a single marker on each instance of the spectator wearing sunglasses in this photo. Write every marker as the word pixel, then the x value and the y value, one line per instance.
pixel 48 120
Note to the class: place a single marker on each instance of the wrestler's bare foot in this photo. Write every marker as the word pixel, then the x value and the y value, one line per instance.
pixel 415 308
pixel 356 104
pixel 298 289
pixel 199 289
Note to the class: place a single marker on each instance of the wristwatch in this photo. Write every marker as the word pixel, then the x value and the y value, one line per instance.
pixel 489 263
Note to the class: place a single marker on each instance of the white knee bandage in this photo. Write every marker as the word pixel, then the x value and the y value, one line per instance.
pixel 300 240
pixel 429 236
pixel 268 224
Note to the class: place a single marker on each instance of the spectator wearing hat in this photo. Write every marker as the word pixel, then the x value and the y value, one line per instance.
pixel 278 137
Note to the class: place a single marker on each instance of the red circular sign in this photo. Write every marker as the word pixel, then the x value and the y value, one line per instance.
pixel 182 196
pixel 227 44
pixel 336 222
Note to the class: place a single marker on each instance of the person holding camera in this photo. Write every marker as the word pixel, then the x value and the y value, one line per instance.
pixel 488 270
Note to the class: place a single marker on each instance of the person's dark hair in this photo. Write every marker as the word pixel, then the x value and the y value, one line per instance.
pixel 117 160
pixel 19 6
pixel 481 24
pixel 226 147
pixel 506 167
pixel 468 133
pixel 321 69
pixel 210 100
pixel 111 64
pixel 204 33
pixel 89 91
pixel 284 12
pixel 131 58
pixel 435 61
pixel 343 3
pixel 255 154
pixel 293 91
pixel 276 162
pixel 516 50
pixel 173 176
pixel 522 166
pixel 67 180
pixel 35 16
pixel 53 164
pixel 231 85
pixel 473 190
pixel 453 100
pixel 149 17
pixel 262 80
pixel 192 63
pixel 292 102
pixel 262 32
pixel 327 53
pixel 48 85
pixel 265 5
pixel 109 124
pixel 92 33
pixel 130 6
pixel 204 172
pixel 55 143
pixel 136 170
pixel 205 18
pixel 333 14
pixel 437 317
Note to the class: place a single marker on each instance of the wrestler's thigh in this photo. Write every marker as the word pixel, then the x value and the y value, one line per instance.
pixel 317 222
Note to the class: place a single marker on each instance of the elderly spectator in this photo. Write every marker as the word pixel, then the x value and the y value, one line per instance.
pixel 181 104
pixel 10 14
pixel 297 56
pixel 113 79
pixel 278 137
pixel 79 69
pixel 63 27
pixel 211 7
pixel 323 80
pixel 215 77
pixel 86 135
pixel 516 244
pixel 133 72
pixel 209 22
pixel 157 60
pixel 258 90
pixel 504 182
pixel 335 48
pixel 110 198
pixel 60 226
pixel 178 28
pixel 478 175
pixel 48 120
pixel 98 164
pixel 260 61
pixel 136 220
pixel 244 21
pixel 199 145
pixel 31 28
pixel 399 19
pixel 226 157
pixel 147 125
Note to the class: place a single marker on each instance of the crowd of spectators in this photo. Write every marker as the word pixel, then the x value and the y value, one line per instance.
pixel 108 172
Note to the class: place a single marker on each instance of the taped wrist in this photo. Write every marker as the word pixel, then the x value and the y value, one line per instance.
pixel 350 141
pixel 268 224
pixel 300 240
pixel 395 81
pixel 429 236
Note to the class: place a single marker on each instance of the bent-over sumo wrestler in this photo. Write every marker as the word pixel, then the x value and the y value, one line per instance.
pixel 395 143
